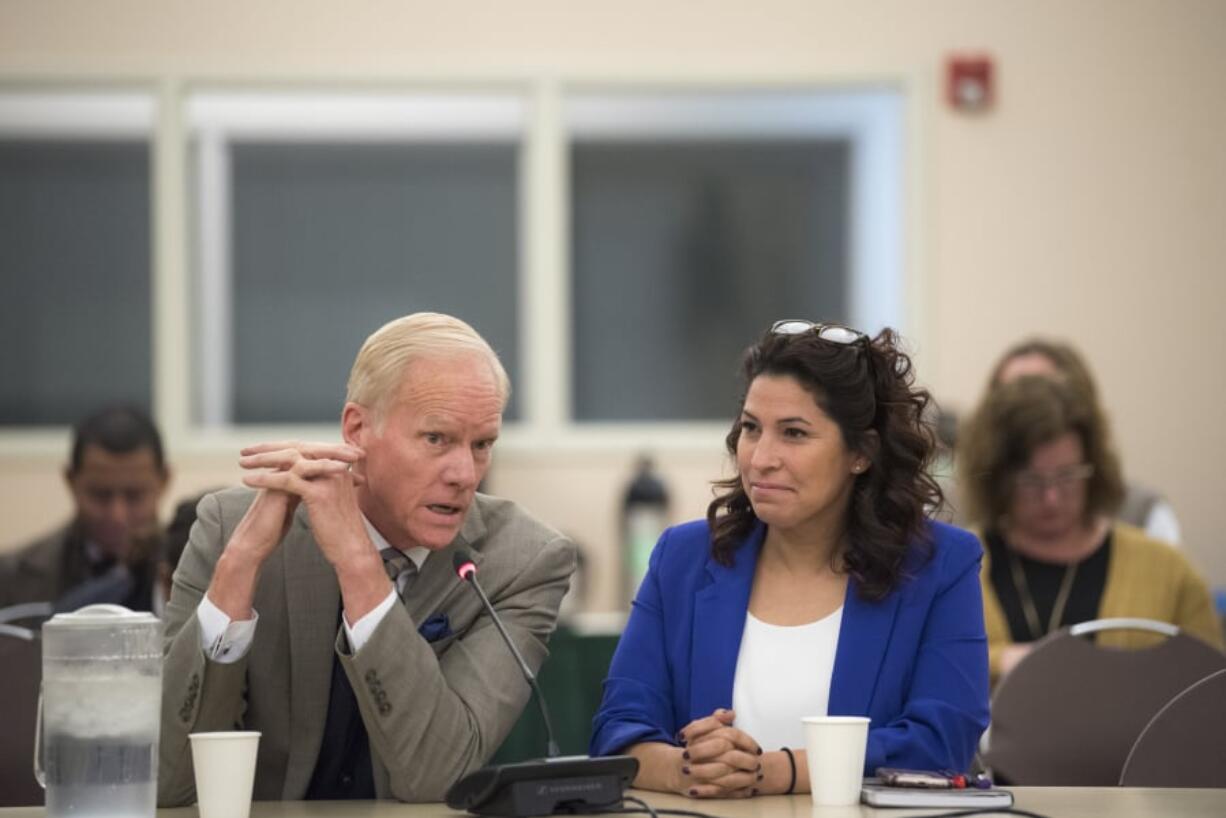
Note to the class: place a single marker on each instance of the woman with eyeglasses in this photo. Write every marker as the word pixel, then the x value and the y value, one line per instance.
pixel 816 586
pixel 1141 505
pixel 1038 473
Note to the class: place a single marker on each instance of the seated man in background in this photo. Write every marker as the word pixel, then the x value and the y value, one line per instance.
pixel 109 551
pixel 369 669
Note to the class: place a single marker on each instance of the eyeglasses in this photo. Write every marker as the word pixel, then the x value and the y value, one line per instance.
pixel 834 333
pixel 1036 483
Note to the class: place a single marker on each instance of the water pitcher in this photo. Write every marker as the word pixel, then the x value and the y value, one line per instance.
pixel 96 751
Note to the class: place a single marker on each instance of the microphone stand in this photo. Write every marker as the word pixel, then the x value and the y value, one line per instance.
pixel 550 786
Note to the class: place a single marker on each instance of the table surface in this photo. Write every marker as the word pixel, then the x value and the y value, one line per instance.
pixel 1056 802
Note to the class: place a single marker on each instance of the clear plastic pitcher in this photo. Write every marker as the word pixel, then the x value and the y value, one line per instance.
pixel 96 750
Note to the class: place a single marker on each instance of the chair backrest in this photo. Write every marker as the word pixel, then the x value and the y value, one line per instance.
pixel 20 675
pixel 1184 745
pixel 27 613
pixel 1069 713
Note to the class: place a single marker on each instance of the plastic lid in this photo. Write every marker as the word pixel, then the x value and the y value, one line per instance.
pixel 101 615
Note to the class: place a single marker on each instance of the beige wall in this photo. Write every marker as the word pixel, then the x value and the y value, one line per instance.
pixel 1088 204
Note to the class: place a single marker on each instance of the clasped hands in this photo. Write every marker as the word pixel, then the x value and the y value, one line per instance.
pixel 322 476
pixel 717 760
pixel 325 477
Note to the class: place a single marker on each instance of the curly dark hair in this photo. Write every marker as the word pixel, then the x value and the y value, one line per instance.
pixel 868 389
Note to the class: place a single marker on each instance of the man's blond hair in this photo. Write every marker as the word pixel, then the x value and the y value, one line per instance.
pixel 379 369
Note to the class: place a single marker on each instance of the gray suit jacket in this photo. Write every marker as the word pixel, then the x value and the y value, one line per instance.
pixel 41 571
pixel 54 568
pixel 436 703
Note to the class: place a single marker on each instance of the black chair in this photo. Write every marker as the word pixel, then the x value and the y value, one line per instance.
pixel 1070 712
pixel 30 615
pixel 21 660
pixel 1184 745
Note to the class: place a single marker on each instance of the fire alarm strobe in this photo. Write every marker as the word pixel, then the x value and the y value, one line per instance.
pixel 969 82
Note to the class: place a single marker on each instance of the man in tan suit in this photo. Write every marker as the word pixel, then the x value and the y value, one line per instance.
pixel 364 686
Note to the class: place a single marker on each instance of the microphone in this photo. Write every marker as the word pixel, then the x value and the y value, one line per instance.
pixel 550 786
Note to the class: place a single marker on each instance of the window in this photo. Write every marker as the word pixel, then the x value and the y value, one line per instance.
pixel 619 248
pixel 699 218
pixel 75 318
pixel 324 216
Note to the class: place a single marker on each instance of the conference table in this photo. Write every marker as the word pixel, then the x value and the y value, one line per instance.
pixel 1055 802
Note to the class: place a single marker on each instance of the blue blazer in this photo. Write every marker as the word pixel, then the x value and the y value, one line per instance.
pixel 915 663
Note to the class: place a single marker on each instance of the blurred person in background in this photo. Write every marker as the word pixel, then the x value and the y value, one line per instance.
pixel 1140 506
pixel 815 586
pixel 109 550
pixel 1038 473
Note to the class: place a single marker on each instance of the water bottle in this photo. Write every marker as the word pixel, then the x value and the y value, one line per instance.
pixel 96 740
pixel 644 518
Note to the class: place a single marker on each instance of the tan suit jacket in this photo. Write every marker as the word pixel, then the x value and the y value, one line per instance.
pixel 434 710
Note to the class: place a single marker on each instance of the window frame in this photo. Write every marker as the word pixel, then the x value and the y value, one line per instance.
pixel 81 110
pixel 544 252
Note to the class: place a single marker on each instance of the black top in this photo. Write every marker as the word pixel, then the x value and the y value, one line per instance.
pixel 1043 582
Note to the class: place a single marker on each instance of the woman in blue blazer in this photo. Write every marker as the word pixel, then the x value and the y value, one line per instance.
pixel 816 586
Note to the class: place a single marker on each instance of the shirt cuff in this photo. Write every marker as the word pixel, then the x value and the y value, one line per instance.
pixel 221 639
pixel 364 628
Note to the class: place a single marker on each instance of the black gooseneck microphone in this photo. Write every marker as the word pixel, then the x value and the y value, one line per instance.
pixel 466 569
pixel 553 785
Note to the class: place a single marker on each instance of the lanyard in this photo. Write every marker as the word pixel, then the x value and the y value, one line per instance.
pixel 1028 606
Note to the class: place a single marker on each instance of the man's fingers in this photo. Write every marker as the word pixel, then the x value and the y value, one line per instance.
pixel 288 459
pixel 310 469
pixel 312 451
pixel 300 480
pixel 286 481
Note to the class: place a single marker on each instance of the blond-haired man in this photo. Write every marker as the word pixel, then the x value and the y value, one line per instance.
pixel 369 669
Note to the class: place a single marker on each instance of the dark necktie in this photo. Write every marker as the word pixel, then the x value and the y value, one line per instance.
pixel 400 570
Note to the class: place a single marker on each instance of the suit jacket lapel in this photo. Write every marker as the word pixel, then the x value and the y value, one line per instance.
pixel 312 600
pixel 863 638
pixel 719 622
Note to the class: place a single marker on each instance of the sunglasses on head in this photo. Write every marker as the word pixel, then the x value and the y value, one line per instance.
pixel 834 333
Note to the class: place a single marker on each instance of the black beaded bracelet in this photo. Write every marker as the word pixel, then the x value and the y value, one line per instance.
pixel 792 764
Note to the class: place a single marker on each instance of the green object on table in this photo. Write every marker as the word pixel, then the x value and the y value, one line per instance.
pixel 571 679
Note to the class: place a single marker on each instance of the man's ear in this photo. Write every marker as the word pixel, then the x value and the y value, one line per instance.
pixel 357 424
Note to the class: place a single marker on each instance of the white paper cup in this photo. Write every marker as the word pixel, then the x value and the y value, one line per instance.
pixel 835 746
pixel 225 772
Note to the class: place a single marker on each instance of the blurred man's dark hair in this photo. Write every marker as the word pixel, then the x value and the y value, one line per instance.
pixel 119 430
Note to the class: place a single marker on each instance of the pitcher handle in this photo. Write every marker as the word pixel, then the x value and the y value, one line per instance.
pixel 39 773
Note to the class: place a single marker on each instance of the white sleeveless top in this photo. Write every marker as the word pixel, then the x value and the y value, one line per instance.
pixel 782 674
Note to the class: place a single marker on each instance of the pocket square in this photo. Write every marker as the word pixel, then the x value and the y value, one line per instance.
pixel 435 628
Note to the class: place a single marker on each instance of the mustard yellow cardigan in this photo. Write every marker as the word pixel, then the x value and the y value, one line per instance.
pixel 1145 578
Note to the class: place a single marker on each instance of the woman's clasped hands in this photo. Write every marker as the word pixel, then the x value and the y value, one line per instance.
pixel 717 760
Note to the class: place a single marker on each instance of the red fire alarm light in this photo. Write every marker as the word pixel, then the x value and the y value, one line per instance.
pixel 969 83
